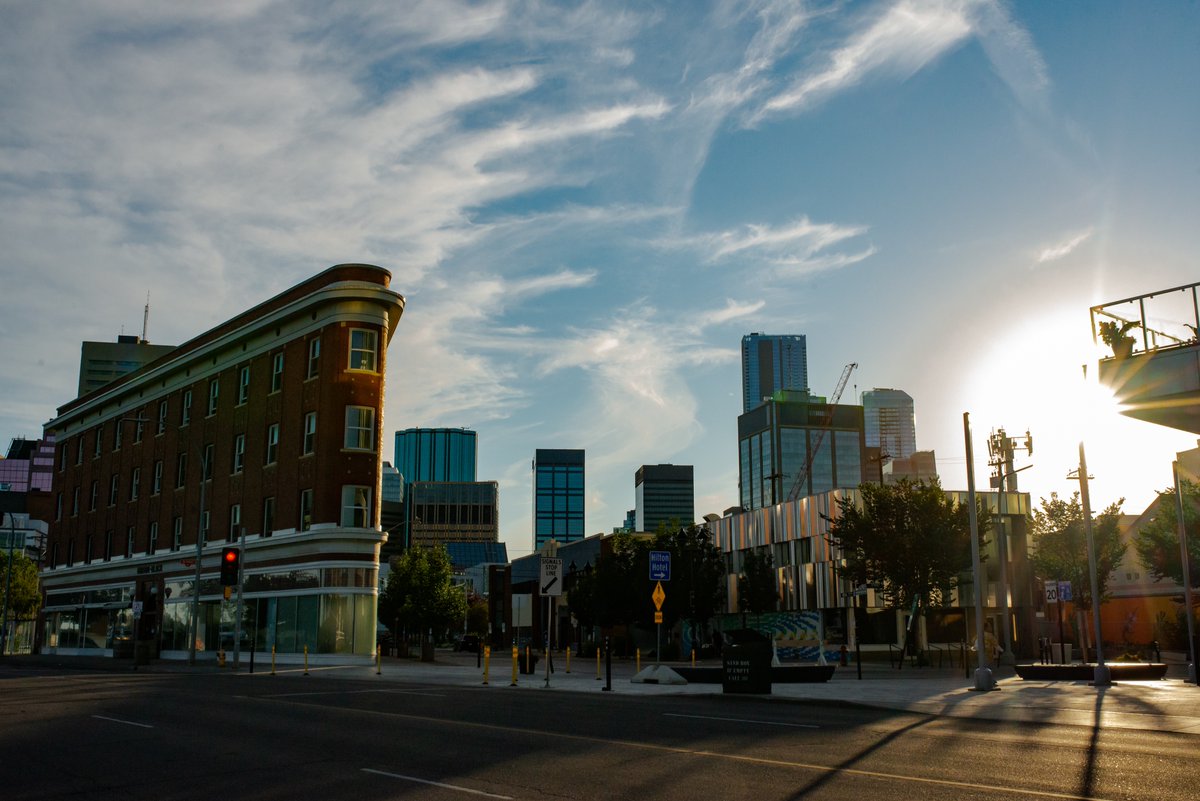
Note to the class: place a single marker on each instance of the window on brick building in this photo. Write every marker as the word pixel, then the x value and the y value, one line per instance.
pixel 310 434
pixel 272 443
pixel 360 428
pixel 243 385
pixel 364 349
pixel 277 372
pixel 356 506
pixel 314 357
pixel 239 452
pixel 306 509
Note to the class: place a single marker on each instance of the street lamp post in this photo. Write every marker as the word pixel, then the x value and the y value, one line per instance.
pixel 1185 558
pixel 983 675
pixel 1103 674
pixel 194 627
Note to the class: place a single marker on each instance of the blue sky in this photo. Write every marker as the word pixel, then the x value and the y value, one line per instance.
pixel 588 204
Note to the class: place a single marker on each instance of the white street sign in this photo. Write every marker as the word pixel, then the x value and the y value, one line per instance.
pixel 1051 592
pixel 550 577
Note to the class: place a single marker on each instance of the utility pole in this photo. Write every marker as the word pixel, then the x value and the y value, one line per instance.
pixel 1102 677
pixel 983 674
pixel 1001 455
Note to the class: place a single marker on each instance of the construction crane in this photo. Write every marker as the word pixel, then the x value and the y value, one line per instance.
pixel 802 478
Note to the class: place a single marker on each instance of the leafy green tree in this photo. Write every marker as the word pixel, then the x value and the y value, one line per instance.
pixel 24 594
pixel 1157 543
pixel 694 592
pixel 420 595
pixel 757 592
pixel 1058 544
pixel 909 539
pixel 477 616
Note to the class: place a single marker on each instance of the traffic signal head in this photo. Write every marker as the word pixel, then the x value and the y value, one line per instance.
pixel 231 559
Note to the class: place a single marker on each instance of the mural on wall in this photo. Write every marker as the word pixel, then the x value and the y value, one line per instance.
pixel 797 635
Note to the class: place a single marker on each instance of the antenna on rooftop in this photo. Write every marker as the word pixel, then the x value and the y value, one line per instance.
pixel 146 316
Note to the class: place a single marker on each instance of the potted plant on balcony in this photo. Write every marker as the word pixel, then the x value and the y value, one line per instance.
pixel 1116 336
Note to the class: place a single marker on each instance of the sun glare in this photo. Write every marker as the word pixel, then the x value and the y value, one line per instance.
pixel 1034 379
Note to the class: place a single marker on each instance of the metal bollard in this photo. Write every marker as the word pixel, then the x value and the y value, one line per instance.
pixel 487 658
pixel 638 661
pixel 529 660
pixel 378 660
pixel 515 657
pixel 272 660
pixel 597 663
pixel 306 659
pixel 693 657
pixel 568 659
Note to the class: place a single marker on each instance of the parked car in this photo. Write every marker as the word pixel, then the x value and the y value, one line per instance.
pixel 467 642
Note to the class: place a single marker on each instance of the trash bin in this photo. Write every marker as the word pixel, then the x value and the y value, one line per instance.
pixel 527 666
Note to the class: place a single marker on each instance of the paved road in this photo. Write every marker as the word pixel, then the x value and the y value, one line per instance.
pixel 73 734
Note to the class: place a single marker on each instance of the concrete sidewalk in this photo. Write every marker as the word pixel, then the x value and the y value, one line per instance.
pixel 1167 705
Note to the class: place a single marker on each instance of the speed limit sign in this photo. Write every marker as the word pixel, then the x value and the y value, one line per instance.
pixel 1051 592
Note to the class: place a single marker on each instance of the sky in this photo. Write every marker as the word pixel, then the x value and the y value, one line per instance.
pixel 587 204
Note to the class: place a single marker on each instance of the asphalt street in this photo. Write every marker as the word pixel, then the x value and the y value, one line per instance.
pixel 205 735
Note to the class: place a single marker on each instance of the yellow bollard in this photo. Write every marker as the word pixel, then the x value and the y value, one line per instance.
pixel 378 660
pixel 220 658
pixel 568 659
pixel 597 663
pixel 529 660
pixel 272 660
pixel 515 658
pixel 487 658
pixel 306 659
pixel 693 657
pixel 639 661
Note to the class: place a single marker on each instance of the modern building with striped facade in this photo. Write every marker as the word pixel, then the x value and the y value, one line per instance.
pixel 264 431
pixel 807 564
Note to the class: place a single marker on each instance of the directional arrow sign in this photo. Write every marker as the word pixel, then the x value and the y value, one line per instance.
pixel 548 579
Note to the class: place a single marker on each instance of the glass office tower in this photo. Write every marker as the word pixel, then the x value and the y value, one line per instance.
pixel 890 423
pixel 557 496
pixel 771 362
pixel 665 493
pixel 791 432
pixel 436 454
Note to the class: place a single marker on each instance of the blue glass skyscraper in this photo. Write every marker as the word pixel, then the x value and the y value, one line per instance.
pixel 558 493
pixel 436 454
pixel 771 362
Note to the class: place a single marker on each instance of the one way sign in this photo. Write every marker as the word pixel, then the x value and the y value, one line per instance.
pixel 550 577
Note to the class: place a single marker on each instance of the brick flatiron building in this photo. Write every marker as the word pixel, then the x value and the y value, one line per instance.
pixel 266 429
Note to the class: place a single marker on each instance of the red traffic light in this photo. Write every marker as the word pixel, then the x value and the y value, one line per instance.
pixel 230 562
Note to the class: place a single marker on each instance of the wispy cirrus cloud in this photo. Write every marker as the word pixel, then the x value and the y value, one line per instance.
pixel 901 38
pixel 1064 247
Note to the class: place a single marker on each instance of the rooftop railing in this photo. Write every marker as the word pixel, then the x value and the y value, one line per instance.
pixel 1157 321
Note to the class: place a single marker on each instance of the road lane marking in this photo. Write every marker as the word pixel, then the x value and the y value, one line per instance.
pixel 346 692
pixel 435 784
pixel 741 720
pixel 780 763
pixel 126 722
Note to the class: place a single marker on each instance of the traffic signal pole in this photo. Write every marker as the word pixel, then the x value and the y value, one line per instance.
pixel 237 622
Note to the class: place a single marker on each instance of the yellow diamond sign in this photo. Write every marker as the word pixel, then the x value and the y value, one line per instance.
pixel 659 596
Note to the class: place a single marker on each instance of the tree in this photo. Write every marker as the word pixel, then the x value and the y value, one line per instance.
pixel 1157 543
pixel 756 583
pixel 419 594
pixel 24 595
pixel 910 540
pixel 697 570
pixel 1058 544
pixel 477 616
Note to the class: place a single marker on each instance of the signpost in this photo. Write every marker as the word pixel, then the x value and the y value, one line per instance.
pixel 1056 593
pixel 658 596
pixel 660 565
pixel 550 577
pixel 550 584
